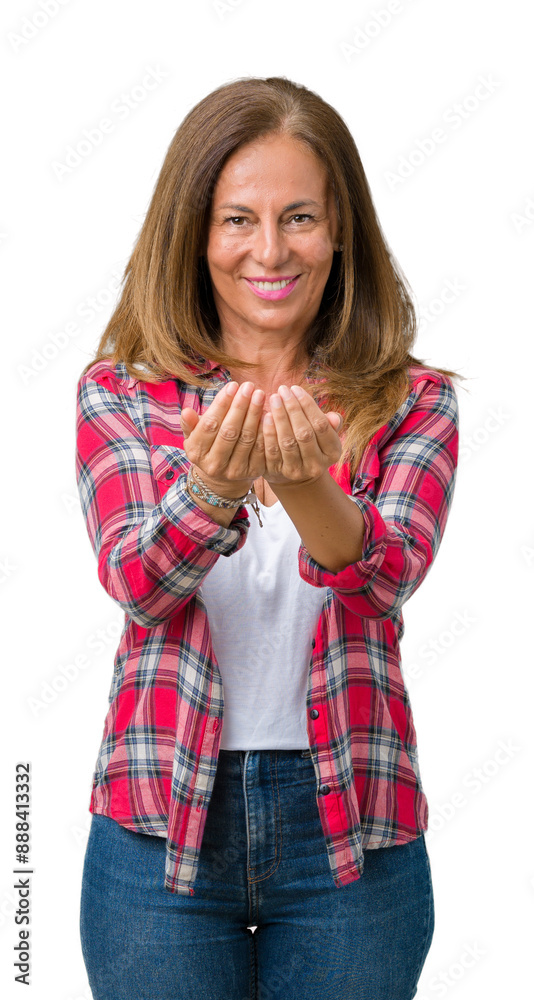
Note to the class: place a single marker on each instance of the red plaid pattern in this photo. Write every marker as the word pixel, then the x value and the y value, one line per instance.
pixel 157 760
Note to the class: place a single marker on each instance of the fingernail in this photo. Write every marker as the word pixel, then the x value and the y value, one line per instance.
pixel 257 396
pixel 231 388
pixel 268 418
pixel 298 391
pixel 276 401
pixel 284 392
pixel 246 389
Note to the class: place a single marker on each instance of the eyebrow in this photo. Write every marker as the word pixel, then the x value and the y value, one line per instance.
pixel 288 208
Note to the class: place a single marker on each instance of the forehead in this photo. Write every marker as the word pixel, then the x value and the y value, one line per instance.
pixel 273 164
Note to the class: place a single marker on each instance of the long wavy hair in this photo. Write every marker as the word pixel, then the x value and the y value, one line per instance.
pixel 360 341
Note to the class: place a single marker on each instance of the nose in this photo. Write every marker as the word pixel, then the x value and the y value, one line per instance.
pixel 270 245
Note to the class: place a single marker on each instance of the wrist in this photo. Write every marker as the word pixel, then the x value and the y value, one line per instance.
pixel 230 490
pixel 209 493
pixel 294 487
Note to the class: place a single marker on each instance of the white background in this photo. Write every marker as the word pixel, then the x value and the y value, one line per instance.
pixel 463 217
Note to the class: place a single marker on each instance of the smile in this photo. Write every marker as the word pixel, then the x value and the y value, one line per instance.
pixel 273 289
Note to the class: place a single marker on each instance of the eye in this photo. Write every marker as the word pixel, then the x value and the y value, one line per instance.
pixel 241 218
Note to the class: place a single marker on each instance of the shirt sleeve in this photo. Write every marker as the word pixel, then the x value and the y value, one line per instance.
pixel 153 551
pixel 405 522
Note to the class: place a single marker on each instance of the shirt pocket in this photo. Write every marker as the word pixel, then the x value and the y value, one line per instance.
pixel 365 485
pixel 367 475
pixel 168 461
pixel 362 484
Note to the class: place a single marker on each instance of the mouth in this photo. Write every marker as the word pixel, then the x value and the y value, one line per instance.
pixel 273 288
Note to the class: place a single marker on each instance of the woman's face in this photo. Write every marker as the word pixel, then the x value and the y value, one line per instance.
pixel 272 217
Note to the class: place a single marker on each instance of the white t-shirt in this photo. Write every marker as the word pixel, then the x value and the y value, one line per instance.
pixel 263 617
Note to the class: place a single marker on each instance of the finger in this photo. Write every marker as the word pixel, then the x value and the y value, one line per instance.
pixel 309 448
pixel 247 456
pixel 259 447
pixel 322 423
pixel 209 424
pixel 222 457
pixel 271 448
pixel 335 419
pixel 287 441
pixel 188 420
pixel 248 450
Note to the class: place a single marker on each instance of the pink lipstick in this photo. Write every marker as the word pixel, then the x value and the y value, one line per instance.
pixel 277 293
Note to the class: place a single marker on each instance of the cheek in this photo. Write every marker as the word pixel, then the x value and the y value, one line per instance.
pixel 224 255
pixel 318 251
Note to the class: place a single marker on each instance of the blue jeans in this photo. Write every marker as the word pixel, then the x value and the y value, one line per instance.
pixel 263 864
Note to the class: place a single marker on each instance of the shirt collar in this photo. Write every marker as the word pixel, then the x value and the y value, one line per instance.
pixel 208 367
pixel 204 366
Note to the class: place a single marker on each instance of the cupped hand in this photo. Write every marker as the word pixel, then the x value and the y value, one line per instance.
pixel 223 443
pixel 300 441
pixel 228 442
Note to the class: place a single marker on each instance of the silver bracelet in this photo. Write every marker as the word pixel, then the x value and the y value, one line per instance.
pixel 197 489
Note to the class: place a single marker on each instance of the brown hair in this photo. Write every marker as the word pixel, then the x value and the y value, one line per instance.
pixel 166 319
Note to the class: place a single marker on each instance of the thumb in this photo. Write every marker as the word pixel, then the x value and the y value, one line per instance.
pixel 188 420
pixel 335 419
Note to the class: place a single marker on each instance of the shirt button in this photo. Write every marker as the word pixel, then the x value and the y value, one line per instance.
pixel 314 714
pixel 313 643
pixel 324 789
pixel 358 483
pixel 169 474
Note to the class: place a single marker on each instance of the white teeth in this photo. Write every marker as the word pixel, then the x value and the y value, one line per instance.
pixel 271 286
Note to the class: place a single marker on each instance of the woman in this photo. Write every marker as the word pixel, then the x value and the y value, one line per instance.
pixel 257 810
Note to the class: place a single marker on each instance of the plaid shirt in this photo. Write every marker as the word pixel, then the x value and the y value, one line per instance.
pixel 156 764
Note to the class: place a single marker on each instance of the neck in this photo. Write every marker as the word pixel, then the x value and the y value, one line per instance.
pixel 276 363
pixel 270 379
